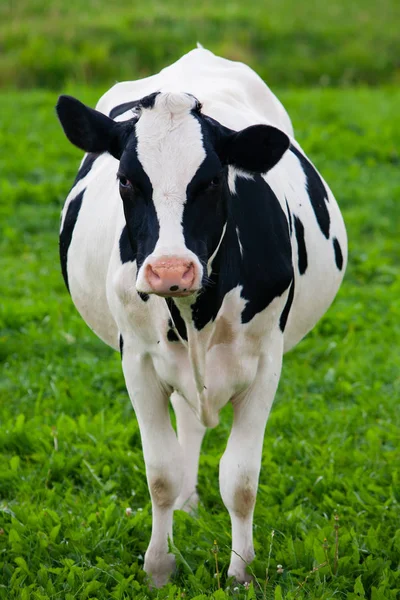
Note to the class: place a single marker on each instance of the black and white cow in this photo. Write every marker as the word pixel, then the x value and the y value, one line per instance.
pixel 200 240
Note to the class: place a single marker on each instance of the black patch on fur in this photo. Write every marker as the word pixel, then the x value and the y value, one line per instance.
pixel 149 101
pixel 121 345
pixel 177 319
pixel 289 218
pixel 86 166
pixel 142 226
pixel 204 217
pixel 171 336
pixel 146 102
pixel 338 254
pixel 224 277
pixel 286 310
pixel 301 245
pixel 143 296
pixel 122 108
pixel 316 191
pixel 67 231
pixel 265 269
pixel 126 252
pixel 204 213
pixel 267 258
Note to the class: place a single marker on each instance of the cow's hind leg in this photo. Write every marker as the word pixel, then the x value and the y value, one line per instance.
pixel 190 436
pixel 240 464
pixel 162 455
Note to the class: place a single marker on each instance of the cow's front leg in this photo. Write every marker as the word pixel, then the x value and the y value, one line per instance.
pixel 190 436
pixel 240 464
pixel 162 456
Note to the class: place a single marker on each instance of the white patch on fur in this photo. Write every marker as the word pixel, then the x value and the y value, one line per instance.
pixel 214 254
pixel 130 113
pixel 170 150
pixel 240 243
pixel 233 172
pixel 82 184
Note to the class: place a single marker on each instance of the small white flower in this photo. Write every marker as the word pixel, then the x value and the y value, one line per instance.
pixel 128 511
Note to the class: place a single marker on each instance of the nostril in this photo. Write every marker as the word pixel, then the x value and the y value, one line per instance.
pixel 154 275
pixel 174 288
pixel 188 275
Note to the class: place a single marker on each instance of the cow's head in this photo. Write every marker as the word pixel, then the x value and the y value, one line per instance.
pixel 173 180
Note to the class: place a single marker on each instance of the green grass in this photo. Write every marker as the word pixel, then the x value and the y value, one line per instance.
pixel 71 459
pixel 48 43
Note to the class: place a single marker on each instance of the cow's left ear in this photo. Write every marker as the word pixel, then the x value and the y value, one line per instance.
pixel 90 130
pixel 257 148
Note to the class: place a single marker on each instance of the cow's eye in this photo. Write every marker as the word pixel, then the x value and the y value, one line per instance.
pixel 124 182
pixel 214 183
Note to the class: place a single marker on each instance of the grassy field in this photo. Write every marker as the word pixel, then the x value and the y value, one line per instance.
pixel 70 453
pixel 71 456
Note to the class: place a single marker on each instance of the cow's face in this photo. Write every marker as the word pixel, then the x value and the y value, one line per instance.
pixel 173 181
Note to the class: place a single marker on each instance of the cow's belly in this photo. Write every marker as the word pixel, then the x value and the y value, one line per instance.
pixel 99 224
pixel 316 289
pixel 89 296
pixel 314 294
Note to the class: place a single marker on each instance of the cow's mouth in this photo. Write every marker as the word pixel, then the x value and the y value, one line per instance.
pixel 177 294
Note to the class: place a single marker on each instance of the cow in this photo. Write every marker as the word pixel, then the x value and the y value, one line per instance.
pixel 200 241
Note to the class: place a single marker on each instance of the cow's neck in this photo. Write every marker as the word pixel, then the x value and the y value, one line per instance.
pixel 201 324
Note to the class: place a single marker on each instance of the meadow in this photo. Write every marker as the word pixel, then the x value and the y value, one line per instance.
pixel 71 462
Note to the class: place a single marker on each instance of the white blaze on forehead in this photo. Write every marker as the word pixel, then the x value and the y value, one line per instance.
pixel 170 150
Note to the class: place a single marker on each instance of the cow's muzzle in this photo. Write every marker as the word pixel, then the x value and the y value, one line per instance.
pixel 171 277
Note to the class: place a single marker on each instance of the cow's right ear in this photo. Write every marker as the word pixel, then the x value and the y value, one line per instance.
pixel 90 130
pixel 257 148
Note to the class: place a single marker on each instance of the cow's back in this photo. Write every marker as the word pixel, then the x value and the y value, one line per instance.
pixel 230 92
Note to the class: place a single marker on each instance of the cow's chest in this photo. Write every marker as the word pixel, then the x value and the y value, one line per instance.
pixel 212 365
pixel 219 362
pixel 219 371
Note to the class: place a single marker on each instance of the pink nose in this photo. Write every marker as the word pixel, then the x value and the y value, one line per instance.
pixel 171 276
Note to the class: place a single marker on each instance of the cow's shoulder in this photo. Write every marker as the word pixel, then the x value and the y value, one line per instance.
pixel 255 256
pixel 264 235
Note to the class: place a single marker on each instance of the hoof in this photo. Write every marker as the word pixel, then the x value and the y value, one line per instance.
pixel 159 570
pixel 240 575
pixel 237 568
